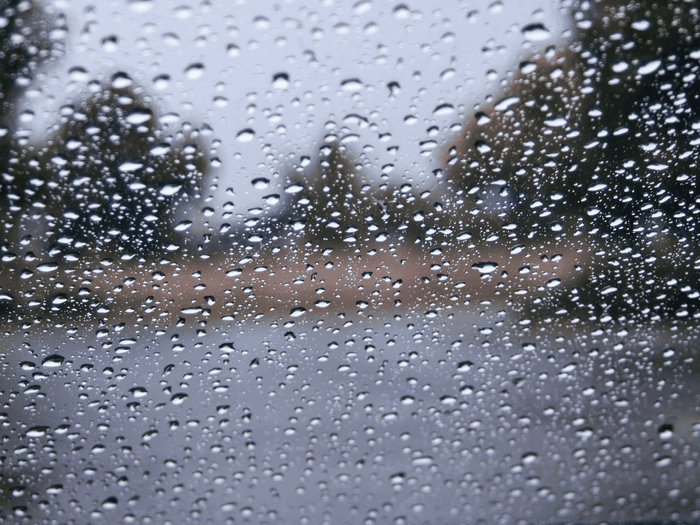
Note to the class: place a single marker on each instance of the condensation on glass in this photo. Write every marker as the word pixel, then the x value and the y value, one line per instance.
pixel 349 262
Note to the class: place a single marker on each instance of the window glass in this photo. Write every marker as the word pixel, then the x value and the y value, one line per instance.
pixel 349 262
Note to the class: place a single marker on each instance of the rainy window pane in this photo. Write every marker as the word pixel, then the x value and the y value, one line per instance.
pixel 341 262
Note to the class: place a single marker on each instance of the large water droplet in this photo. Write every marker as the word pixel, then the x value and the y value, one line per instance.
pixel 536 32
pixel 245 135
pixel 485 266
pixel 194 71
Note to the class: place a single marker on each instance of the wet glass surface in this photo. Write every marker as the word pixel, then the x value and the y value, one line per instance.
pixel 349 262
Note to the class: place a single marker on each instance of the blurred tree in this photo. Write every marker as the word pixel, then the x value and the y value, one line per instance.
pixel 601 141
pixel 28 38
pixel 109 177
pixel 334 205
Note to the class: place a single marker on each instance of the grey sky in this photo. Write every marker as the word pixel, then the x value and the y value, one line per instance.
pixel 449 54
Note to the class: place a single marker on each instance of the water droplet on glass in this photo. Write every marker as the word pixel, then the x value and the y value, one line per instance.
pixel 351 84
pixel 297 312
pixel 168 189
pixel 666 431
pixel 194 71
pixel 261 183
pixel 121 80
pixel 641 24
pixel 536 32
pixel 53 361
pixel 280 81
pixel 401 11
pixel 505 103
pixel 139 116
pixel 649 66
pixel 245 135
pixel 485 267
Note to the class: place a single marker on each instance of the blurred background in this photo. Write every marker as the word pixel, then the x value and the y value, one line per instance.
pixel 349 262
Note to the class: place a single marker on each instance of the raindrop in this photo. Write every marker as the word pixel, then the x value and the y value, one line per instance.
pixel 443 109
pixel 280 81
pixel 463 236
pixel 245 135
pixel 110 44
pixel 159 150
pixel 37 431
pixel 394 88
pixel 529 458
pixel 121 80
pixel 47 267
pixel 170 188
pixel 663 461
pixel 261 22
pixel 647 67
pixel 464 366
pixel 171 39
pixel 226 347
pixel 294 188
pixel 78 74
pixel 351 84
pixel 666 431
pixel 505 103
pixel 641 24
pixel 482 146
pixel 361 7
pixel 261 183
pixel 485 267
pixel 527 67
pixel 140 6
pixel 448 74
pixel 194 71
pixel 536 32
pixel 401 11
pixel 555 121
pixel 597 186
pixel 139 116
pixel 161 82
pixel 53 361
pixel 178 399
pixel 129 166
pixel 620 65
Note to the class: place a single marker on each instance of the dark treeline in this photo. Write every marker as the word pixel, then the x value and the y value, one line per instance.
pixel 593 145
pixel 108 180
pixel 600 141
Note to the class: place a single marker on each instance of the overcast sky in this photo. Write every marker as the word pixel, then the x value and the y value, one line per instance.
pixel 288 70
